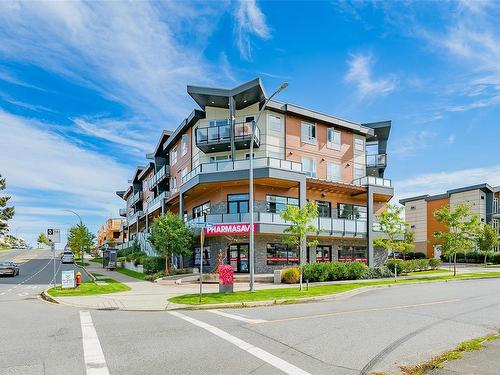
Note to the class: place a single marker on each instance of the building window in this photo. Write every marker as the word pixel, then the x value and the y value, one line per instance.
pixel 247 156
pixel 324 209
pixel 276 203
pixel 333 139
pixel 323 253
pixel 309 166
pixel 279 254
pixel 184 172
pixel 413 208
pixel 352 254
pixel 215 159
pixel 222 122
pixel 495 223
pixel 412 226
pixel 202 210
pixel 184 144
pixel 173 183
pixel 351 211
pixel 333 172
pixel 173 156
pixel 237 203
pixel 495 205
pixel 482 197
pixel 359 171
pixel 206 256
pixel 308 132
pixel 359 144
pixel 274 123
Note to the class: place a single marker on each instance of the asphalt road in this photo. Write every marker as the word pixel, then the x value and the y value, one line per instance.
pixel 373 331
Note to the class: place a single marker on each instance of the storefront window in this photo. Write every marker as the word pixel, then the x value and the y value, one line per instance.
pixel 351 211
pixel 206 256
pixel 277 204
pixel 353 253
pixel 279 254
pixel 237 203
pixel 202 210
pixel 324 209
pixel 323 253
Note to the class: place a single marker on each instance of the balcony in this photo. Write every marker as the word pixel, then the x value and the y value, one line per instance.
pixel 238 165
pixel 134 217
pixel 218 138
pixel 159 176
pixel 135 198
pixel 122 212
pixel 327 226
pixel 157 202
pixel 370 180
pixel 376 161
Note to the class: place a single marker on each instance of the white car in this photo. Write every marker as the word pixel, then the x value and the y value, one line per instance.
pixel 67 257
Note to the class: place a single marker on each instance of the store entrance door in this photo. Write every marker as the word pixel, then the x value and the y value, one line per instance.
pixel 238 257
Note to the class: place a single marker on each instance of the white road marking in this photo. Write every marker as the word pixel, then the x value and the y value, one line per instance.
pixel 95 363
pixel 267 357
pixel 237 317
pixel 22 294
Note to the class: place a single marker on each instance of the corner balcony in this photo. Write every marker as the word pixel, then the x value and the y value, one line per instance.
pixel 376 161
pixel 218 138
pixel 157 202
pixel 370 180
pixel 132 219
pixel 135 198
pixel 159 176
pixel 122 212
pixel 269 222
pixel 238 165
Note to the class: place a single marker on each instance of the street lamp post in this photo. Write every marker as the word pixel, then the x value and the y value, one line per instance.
pixel 81 225
pixel 251 252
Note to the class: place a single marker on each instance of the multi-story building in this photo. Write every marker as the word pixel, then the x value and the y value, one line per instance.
pixel 111 232
pixel 419 212
pixel 201 172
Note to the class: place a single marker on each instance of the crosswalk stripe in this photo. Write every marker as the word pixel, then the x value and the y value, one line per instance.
pixel 93 355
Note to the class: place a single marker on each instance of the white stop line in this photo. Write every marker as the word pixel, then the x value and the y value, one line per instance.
pixel 95 362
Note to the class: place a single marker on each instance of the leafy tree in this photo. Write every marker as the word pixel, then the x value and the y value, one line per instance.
pixel 6 213
pixel 169 236
pixel 462 233
pixel 42 239
pixel 80 239
pixel 487 240
pixel 398 237
pixel 301 225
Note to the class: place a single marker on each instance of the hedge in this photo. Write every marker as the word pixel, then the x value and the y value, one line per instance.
pixel 153 264
pixel 475 257
pixel 330 271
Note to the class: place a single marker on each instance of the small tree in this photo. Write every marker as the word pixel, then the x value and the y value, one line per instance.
pixel 169 236
pixel 296 233
pixel 462 231
pixel 487 240
pixel 42 239
pixel 408 241
pixel 6 213
pixel 395 228
pixel 80 239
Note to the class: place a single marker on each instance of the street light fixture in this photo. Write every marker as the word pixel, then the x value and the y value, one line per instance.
pixel 251 252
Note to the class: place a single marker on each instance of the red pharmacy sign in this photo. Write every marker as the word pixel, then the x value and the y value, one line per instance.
pixel 241 228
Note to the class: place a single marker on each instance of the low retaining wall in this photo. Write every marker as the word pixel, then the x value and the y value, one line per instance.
pixel 131 266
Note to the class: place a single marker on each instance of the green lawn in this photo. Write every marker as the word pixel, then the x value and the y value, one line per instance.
pixel 96 260
pixel 131 273
pixel 89 288
pixel 294 293
pixel 96 274
pixel 429 272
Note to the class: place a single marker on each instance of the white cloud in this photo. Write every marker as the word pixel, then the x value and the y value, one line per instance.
pixel 40 164
pixel 249 21
pixel 360 73
pixel 411 142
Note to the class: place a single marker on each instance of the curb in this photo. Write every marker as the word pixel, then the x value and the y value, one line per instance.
pixel 45 296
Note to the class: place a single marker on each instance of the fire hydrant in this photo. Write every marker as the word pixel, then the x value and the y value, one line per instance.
pixel 78 278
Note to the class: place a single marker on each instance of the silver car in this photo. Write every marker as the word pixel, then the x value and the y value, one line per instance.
pixel 9 268
pixel 67 257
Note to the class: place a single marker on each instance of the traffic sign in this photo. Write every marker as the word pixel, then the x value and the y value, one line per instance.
pixel 54 235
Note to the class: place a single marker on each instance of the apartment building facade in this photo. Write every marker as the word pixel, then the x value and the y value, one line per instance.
pixel 111 232
pixel 419 212
pixel 200 171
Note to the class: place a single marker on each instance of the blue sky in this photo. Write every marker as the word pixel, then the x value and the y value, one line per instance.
pixel 86 88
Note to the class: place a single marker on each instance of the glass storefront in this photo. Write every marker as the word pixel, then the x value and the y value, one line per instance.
pixel 353 253
pixel 279 255
pixel 323 253
pixel 237 256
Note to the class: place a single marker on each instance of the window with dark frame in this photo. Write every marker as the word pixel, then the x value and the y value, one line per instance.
pixel 351 211
pixel 277 203
pixel 324 208
pixel 202 210
pixel 323 253
pixel 238 203
pixel 279 254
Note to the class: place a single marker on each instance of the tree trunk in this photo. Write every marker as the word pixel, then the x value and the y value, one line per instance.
pixel 167 263
pixel 485 257
pixel 455 264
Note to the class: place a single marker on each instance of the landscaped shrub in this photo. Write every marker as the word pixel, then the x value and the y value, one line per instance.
pixel 496 258
pixel 396 264
pixel 434 263
pixel 376 273
pixel 154 276
pixel 355 270
pixel 422 264
pixel 314 272
pixel 152 265
pixel 290 276
pixel 414 255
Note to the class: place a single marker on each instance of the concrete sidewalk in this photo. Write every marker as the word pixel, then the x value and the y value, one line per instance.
pixel 482 362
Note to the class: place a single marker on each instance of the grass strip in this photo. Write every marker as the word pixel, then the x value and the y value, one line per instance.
pixel 429 272
pixel 96 260
pixel 89 288
pixel 293 293
pixel 438 361
pixel 134 274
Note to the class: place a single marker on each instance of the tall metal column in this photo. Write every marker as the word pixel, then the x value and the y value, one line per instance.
pixel 232 115
pixel 369 225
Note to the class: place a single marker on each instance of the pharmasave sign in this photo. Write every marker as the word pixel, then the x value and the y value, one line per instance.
pixel 241 228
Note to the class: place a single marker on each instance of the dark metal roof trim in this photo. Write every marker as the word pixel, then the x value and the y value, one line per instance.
pixel 427 197
pixel 194 116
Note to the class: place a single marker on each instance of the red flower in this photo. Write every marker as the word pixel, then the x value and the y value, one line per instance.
pixel 226 274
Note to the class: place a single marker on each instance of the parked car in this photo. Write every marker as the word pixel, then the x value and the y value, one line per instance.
pixel 67 257
pixel 9 268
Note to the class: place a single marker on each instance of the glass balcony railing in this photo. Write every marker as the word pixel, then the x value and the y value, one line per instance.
pixel 217 137
pixel 156 202
pixel 376 161
pixel 123 212
pixel 135 198
pixel 158 176
pixel 237 165
pixel 371 180
pixel 133 218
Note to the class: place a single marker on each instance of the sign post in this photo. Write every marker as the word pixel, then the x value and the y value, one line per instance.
pixel 203 226
pixel 54 236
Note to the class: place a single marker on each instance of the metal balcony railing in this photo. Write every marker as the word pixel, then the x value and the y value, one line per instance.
pixel 159 176
pixel 371 180
pixel 156 202
pixel 237 165
pixel 135 198
pixel 134 217
pixel 376 161
pixel 218 138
